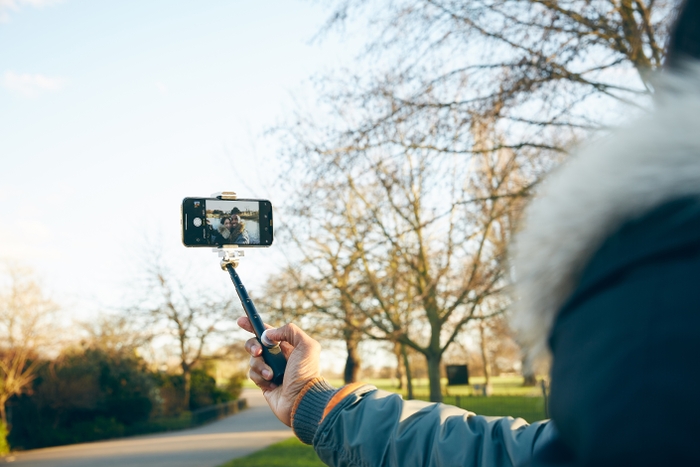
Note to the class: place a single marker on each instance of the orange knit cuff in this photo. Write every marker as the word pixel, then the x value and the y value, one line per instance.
pixel 339 396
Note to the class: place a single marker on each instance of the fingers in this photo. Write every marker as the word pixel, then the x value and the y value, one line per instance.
pixel 253 347
pixel 259 372
pixel 244 323
pixel 293 334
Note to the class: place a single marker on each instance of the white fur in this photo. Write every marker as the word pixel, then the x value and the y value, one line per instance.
pixel 593 193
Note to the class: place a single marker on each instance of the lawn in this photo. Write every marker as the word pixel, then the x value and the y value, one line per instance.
pixel 502 386
pixel 290 452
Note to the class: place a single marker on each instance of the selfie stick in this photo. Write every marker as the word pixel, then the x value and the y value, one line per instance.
pixel 271 351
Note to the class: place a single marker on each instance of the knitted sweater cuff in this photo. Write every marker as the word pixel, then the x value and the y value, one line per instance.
pixel 308 408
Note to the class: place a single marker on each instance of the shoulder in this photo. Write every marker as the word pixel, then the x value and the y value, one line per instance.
pixel 622 177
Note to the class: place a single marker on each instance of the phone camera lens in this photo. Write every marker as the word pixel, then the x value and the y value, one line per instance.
pixel 197 222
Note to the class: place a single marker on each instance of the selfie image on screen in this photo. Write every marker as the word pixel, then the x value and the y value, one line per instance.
pixel 233 222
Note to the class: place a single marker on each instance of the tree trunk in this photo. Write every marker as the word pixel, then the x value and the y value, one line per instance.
pixel 352 362
pixel 3 413
pixel 399 374
pixel 485 359
pixel 529 377
pixel 187 377
pixel 434 377
pixel 409 377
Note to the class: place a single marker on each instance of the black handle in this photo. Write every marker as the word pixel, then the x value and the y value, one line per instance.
pixel 273 356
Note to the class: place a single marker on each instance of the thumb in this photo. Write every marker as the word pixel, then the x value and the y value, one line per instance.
pixel 289 333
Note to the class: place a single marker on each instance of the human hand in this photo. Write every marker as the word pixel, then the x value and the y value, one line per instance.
pixel 303 357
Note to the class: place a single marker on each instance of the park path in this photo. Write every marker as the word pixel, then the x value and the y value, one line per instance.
pixel 206 446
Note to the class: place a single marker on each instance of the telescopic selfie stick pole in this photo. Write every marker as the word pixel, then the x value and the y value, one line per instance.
pixel 271 351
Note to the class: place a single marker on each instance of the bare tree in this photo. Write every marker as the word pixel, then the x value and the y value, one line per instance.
pixel 184 316
pixel 411 242
pixel 319 303
pixel 115 333
pixel 465 102
pixel 550 71
pixel 26 319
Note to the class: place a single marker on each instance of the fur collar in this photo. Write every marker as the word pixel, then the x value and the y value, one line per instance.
pixel 593 193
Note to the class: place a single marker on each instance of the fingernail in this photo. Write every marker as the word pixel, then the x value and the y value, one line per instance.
pixel 256 350
pixel 267 374
pixel 273 386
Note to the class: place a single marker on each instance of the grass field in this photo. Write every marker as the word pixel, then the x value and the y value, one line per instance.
pixel 288 453
pixel 502 386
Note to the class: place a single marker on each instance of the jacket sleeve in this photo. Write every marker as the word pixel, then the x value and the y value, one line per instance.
pixel 368 427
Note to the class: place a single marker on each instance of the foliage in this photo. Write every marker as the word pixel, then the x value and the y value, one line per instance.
pixel 4 445
pixel 92 393
pixel 185 317
pixel 84 395
pixel 288 453
pixel 25 330
pixel 204 391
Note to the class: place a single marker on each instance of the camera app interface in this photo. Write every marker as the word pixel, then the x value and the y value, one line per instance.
pixel 233 222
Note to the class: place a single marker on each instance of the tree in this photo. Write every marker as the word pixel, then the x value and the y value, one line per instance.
pixel 186 317
pixel 412 243
pixel 324 310
pixel 85 393
pixel 115 333
pixel 494 90
pixel 549 71
pixel 26 318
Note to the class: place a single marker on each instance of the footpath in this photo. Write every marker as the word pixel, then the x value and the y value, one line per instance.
pixel 206 446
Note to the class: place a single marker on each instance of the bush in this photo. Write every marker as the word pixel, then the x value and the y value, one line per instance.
pixel 4 445
pixel 84 395
pixel 203 391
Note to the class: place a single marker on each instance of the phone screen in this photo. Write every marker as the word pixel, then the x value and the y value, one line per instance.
pixel 211 222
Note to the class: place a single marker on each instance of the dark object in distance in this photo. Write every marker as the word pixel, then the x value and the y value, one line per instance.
pixel 457 374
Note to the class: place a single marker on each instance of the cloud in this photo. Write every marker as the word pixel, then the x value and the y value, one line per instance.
pixel 162 88
pixel 29 85
pixel 7 6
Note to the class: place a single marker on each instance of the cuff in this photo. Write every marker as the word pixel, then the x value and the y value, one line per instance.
pixel 308 409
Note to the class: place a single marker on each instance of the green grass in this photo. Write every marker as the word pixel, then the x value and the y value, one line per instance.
pixel 502 386
pixel 291 452
pixel 529 408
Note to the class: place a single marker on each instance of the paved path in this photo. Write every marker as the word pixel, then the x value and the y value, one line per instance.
pixel 207 446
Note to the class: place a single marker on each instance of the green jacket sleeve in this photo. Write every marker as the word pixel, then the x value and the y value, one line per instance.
pixel 377 428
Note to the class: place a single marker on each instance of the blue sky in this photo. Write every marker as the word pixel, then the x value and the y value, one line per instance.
pixel 112 112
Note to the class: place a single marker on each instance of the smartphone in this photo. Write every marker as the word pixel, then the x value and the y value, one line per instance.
pixel 213 222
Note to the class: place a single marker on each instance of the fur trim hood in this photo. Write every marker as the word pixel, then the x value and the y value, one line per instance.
pixel 593 193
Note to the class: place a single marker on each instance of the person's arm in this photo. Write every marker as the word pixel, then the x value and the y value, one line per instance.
pixel 360 425
pixel 365 426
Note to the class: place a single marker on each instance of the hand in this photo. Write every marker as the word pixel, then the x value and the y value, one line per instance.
pixel 303 357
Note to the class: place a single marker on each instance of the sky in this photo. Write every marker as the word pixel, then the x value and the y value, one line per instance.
pixel 112 112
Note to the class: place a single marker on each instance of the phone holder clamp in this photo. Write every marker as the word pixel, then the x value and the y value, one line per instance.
pixel 230 256
pixel 225 195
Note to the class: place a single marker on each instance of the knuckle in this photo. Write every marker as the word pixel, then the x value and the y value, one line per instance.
pixel 314 345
